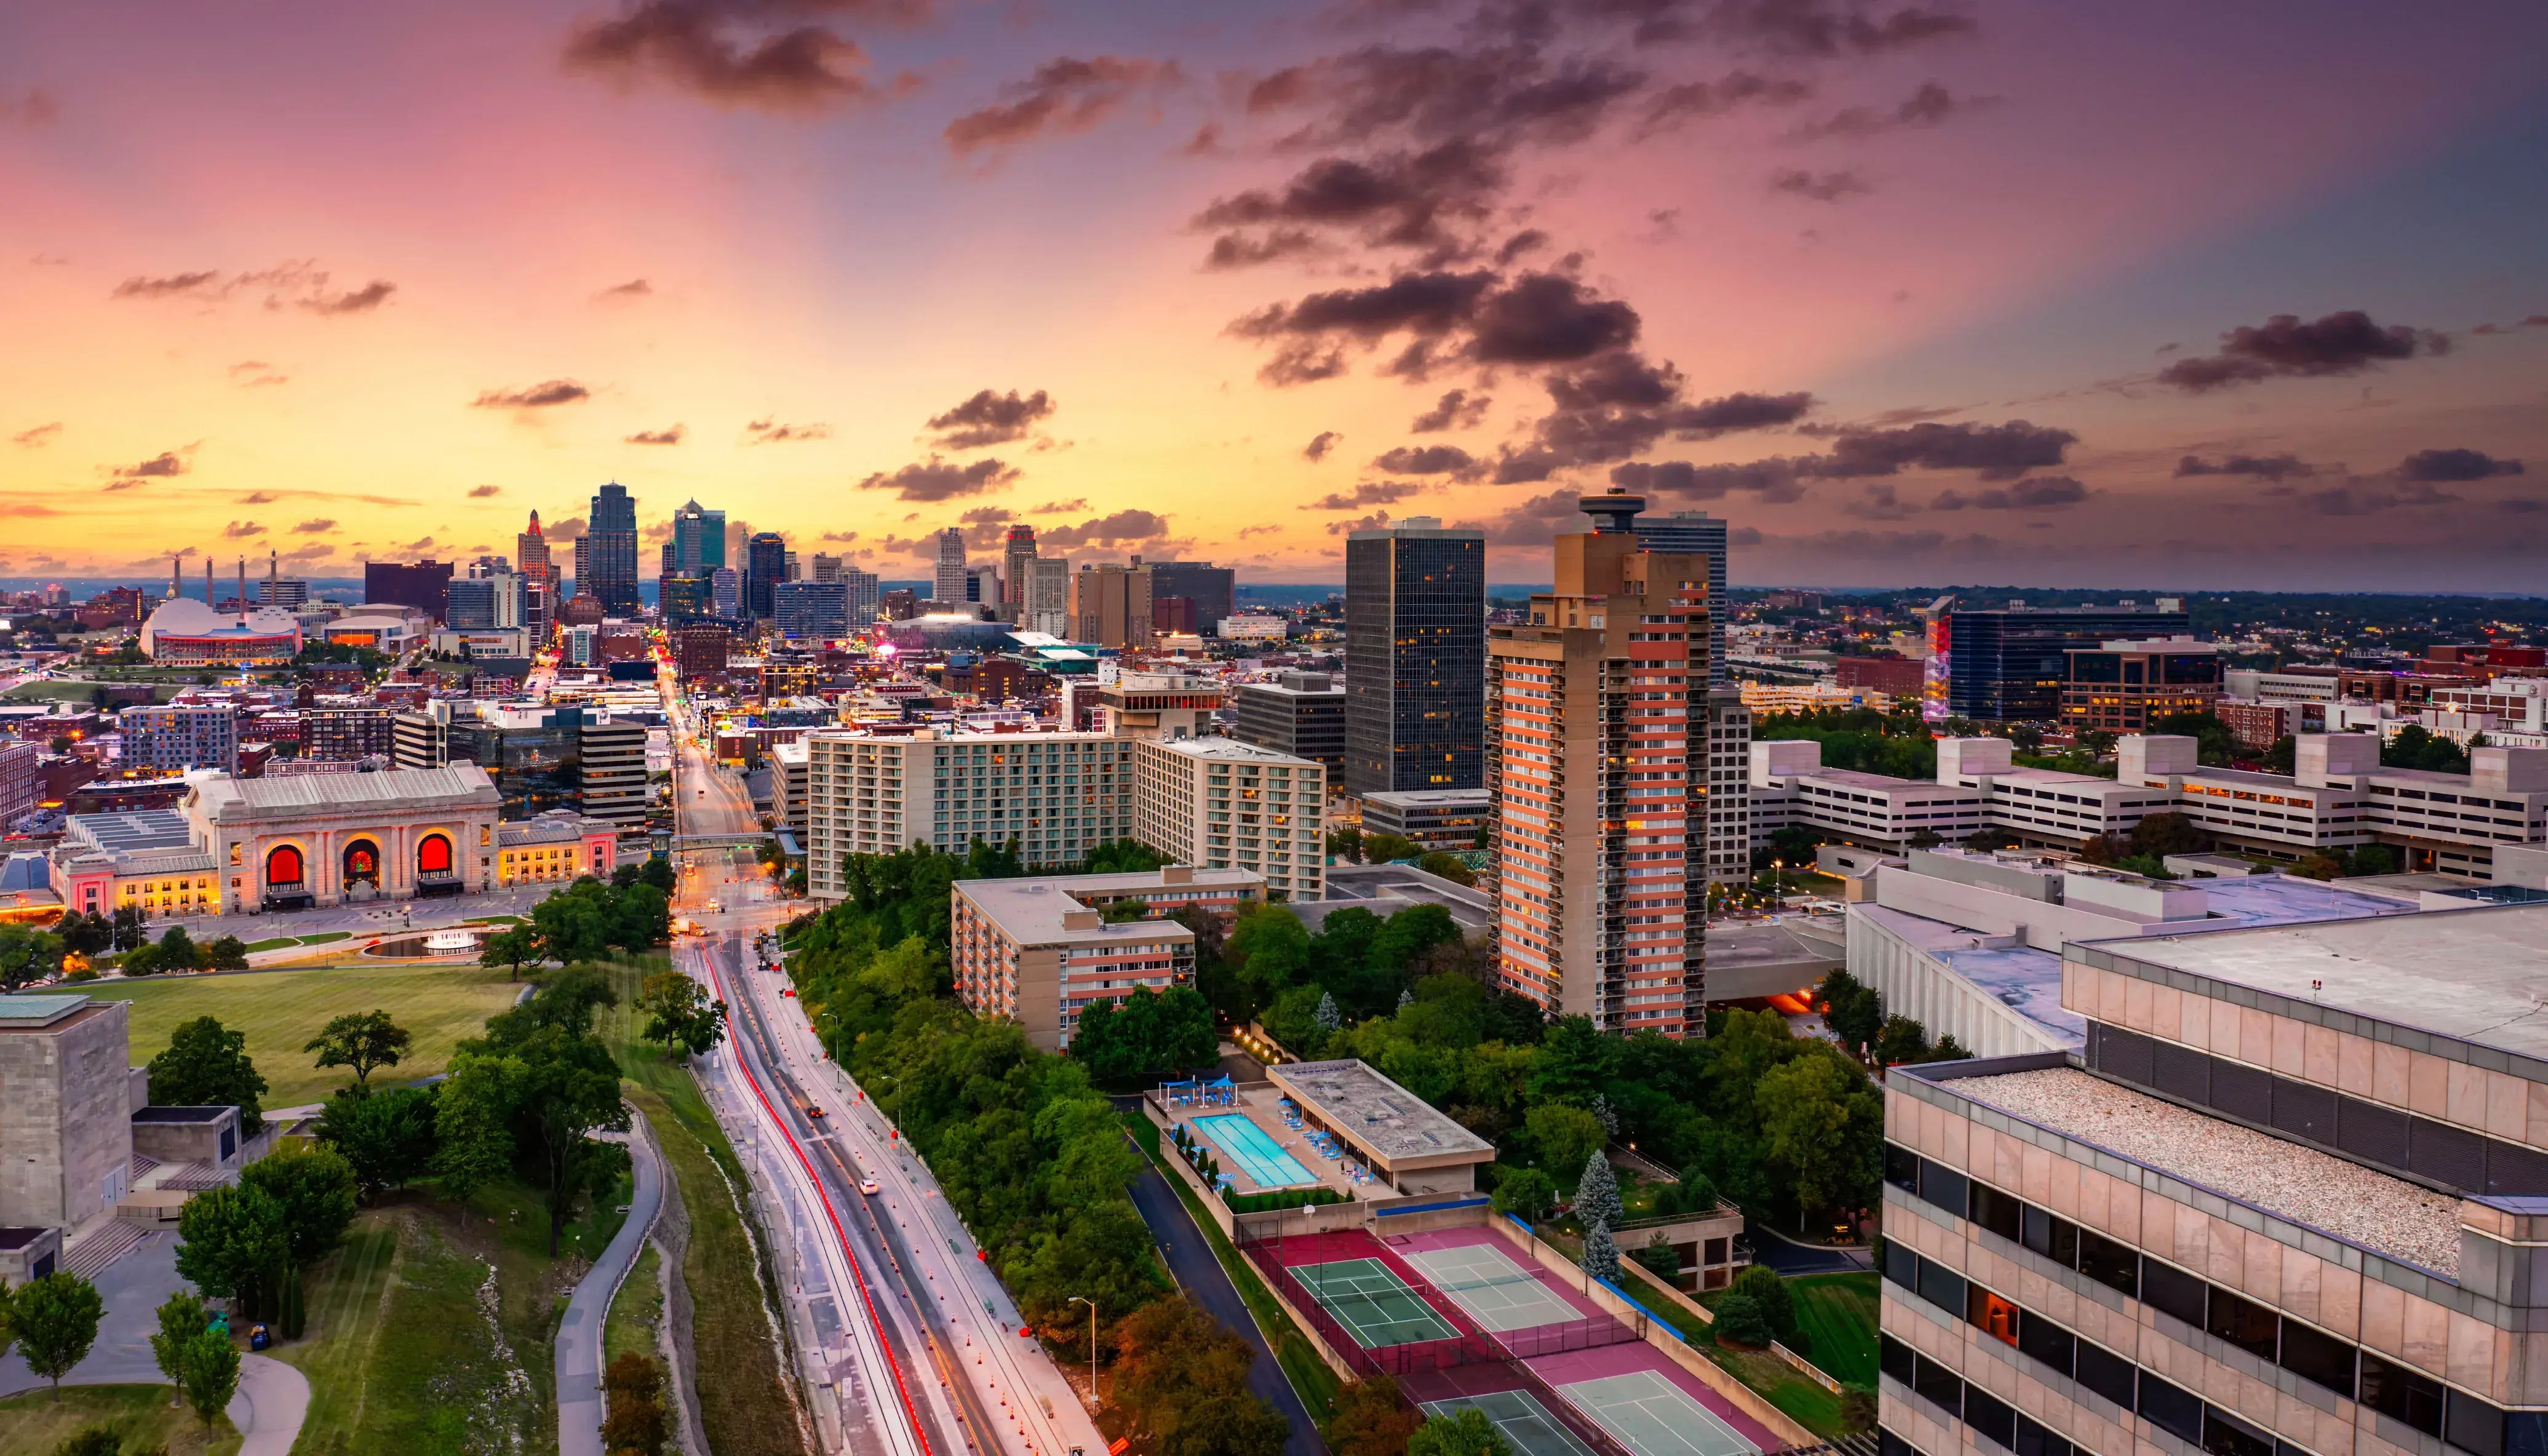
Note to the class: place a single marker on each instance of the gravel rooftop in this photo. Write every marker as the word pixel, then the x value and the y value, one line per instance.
pixel 2301 1184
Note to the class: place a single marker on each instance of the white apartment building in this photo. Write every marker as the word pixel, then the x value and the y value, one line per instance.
pixel 1040 951
pixel 1058 794
pixel 1790 786
pixel 1218 803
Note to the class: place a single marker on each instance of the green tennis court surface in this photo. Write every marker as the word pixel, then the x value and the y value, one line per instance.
pixel 1653 1416
pixel 1523 1420
pixel 1495 1292
pixel 1374 1305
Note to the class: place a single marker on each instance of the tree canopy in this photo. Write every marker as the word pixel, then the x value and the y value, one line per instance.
pixel 207 1065
pixel 362 1041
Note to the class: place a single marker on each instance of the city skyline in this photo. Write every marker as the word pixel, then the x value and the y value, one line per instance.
pixel 2168 298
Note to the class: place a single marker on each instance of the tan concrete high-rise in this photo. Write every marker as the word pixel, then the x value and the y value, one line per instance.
pixel 1111 604
pixel 1599 792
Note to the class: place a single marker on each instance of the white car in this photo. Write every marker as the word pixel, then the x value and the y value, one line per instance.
pixel 867 1186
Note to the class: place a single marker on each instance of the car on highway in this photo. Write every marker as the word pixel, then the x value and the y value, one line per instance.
pixel 813 1111
pixel 867 1186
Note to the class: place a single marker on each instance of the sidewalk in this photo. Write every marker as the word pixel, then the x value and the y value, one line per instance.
pixel 578 1337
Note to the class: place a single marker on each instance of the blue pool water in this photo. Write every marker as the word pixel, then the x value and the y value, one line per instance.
pixel 1254 1151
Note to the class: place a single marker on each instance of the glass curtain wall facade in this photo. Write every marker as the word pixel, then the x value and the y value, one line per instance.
pixel 1415 658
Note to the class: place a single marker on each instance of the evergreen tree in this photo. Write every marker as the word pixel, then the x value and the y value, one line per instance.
pixel 1600 1254
pixel 1597 1193
pixel 1329 1017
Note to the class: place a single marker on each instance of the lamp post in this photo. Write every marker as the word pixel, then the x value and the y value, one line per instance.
pixel 1093 1402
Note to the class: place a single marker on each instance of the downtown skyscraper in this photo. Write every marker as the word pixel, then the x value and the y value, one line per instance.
pixel 948 582
pixel 1416 611
pixel 605 558
pixel 1599 789
pixel 540 599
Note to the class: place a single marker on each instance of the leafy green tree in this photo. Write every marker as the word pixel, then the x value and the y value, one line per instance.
pixel 2169 833
pixel 1371 1418
pixel 211 1373
pixel 28 955
pixel 1181 1380
pixel 316 1189
pixel 85 935
pixel 566 998
pixel 1525 1193
pixel 1564 1134
pixel 1447 866
pixel 509 949
pixel 633 1389
pixel 1469 1434
pixel 2282 755
pixel 55 1319
pixel 91 1440
pixel 1901 1040
pixel 181 1317
pixel 1854 1011
pixel 177 952
pixel 577 923
pixel 387 1136
pixel 1236 1424
pixel 1659 1257
pixel 1272 949
pixel 1383 849
pixel 1597 1191
pixel 1816 1114
pixel 1346 844
pixel 657 871
pixel 1123 912
pixel 1768 1289
pixel 1143 1035
pixel 1115 856
pixel 680 1015
pixel 126 930
pixel 233 1244
pixel 473 1121
pixel 2416 747
pixel 208 1065
pixel 228 952
pixel 2213 743
pixel 570 1090
pixel 1739 1322
pixel 1601 1252
pixel 362 1041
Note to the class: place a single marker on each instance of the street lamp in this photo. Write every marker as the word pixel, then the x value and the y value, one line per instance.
pixel 1093 1402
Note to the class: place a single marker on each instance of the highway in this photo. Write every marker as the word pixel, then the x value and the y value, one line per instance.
pixel 949 1363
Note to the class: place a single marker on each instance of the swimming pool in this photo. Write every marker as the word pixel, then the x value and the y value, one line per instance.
pixel 1254 1151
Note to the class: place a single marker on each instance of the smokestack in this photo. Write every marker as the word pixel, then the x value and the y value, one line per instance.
pixel 208 579
pixel 243 590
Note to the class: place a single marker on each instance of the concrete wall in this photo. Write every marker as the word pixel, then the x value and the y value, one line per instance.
pixel 2045 927
pixel 66 1119
pixel 1918 985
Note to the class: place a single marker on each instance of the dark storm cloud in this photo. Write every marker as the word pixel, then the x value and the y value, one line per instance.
pixel 1994 451
pixel 2345 342
pixel 1448 460
pixel 1428 200
pixel 1319 446
pixel 1065 95
pixel 1693 101
pixel 1456 410
pixel 1411 303
pixel 989 418
pixel 1814 29
pixel 1819 186
pixel 1546 319
pixel 2454 466
pixel 2260 467
pixel 1110 530
pixel 767 54
pixel 1370 492
pixel 935 478
pixel 671 435
pixel 2035 493
pixel 536 397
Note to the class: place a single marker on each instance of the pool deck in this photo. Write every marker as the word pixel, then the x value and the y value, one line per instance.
pixel 1261 1102
pixel 1224 1130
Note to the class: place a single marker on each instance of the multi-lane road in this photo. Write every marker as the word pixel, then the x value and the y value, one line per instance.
pixel 891 1280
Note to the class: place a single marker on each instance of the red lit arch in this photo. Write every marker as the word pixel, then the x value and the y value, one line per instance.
pixel 433 855
pixel 283 865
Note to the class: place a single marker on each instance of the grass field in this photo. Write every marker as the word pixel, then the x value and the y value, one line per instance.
pixel 1837 1312
pixel 638 1309
pixel 32 1425
pixel 746 1402
pixel 280 1011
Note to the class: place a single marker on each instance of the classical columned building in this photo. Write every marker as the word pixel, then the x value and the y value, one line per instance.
pixel 327 839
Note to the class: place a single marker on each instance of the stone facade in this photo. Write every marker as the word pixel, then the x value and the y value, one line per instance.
pixel 65 1112
pixel 330 839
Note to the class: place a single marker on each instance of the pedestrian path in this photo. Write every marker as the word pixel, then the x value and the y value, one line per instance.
pixel 578 1337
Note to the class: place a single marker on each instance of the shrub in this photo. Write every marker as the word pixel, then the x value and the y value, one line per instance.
pixel 1739 1322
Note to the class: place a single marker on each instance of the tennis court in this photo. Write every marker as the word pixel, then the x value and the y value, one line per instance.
pixel 1523 1420
pixel 1652 1417
pixel 1495 1292
pixel 1254 1151
pixel 1374 1305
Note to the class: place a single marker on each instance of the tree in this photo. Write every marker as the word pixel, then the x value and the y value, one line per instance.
pixel 181 1318
pixel 1144 1034
pixel 680 1015
pixel 1857 1408
pixel 1739 1322
pixel 1813 1116
pixel 509 949
pixel 1123 912
pixel 1371 1418
pixel 1767 1288
pixel 125 929
pixel 473 1121
pixel 1448 867
pixel 361 1040
pixel 1236 1424
pixel 85 935
pixel 176 951
pixel 2282 755
pixel 28 955
pixel 316 1189
pixel 2169 833
pixel 570 1090
pixel 2213 743
pixel 1563 1135
pixel 1181 1379
pixel 228 952
pixel 211 1372
pixel 1601 1252
pixel 1596 1191
pixel 633 1385
pixel 1525 1193
pixel 1346 844
pixel 1854 1011
pixel 92 1441
pixel 55 1318
pixel 207 1065
pixel 1469 1434
pixel 2416 747
pixel 1383 849
pixel 1329 1018
pixel 388 1136
pixel 233 1244
pixel 1659 1257
pixel 1901 1040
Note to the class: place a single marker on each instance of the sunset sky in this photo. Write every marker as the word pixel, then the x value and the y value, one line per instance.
pixel 2161 294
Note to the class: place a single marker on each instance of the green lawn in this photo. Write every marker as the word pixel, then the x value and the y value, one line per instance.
pixel 637 1311
pixel 32 1425
pixel 1837 1312
pixel 280 1011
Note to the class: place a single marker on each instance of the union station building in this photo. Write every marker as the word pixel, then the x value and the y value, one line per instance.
pixel 243 846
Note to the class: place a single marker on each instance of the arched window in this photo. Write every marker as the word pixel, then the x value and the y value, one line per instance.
pixel 433 856
pixel 363 864
pixel 283 865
